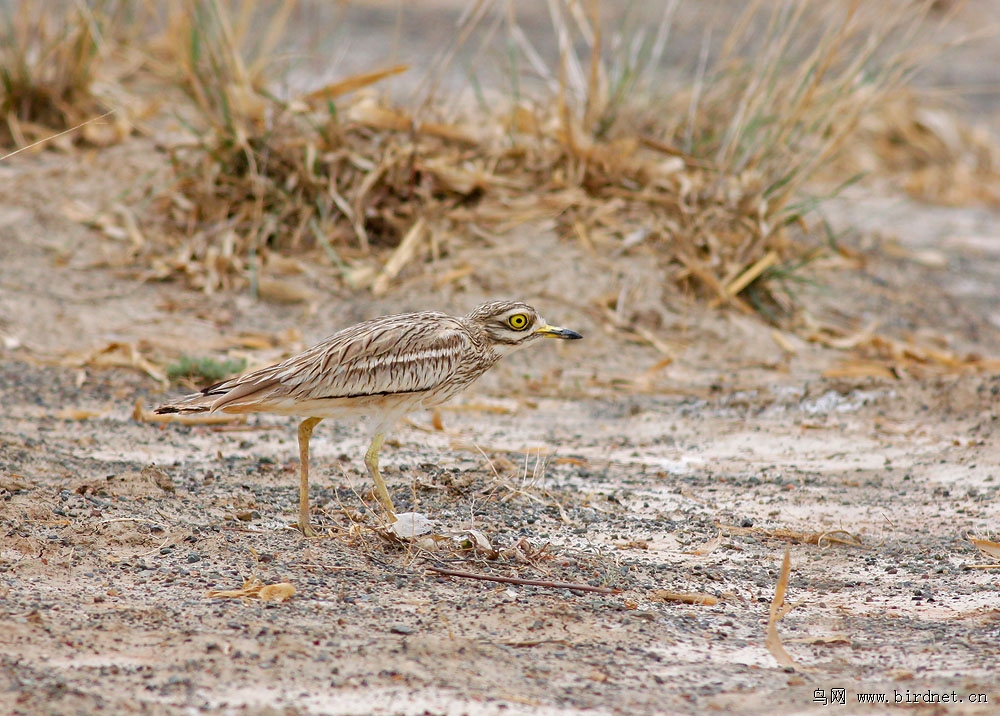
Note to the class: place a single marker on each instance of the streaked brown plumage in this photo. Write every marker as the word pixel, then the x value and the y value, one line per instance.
pixel 384 368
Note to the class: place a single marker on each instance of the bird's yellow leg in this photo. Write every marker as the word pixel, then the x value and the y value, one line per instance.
pixel 371 462
pixel 305 432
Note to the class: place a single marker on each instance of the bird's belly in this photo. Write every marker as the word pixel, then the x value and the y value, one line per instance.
pixel 340 408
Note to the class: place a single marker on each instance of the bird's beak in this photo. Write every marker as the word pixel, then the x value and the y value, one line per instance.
pixel 556 332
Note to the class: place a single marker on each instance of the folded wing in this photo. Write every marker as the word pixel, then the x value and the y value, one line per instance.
pixel 413 353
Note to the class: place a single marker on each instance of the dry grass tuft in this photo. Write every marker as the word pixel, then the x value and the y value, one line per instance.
pixel 262 174
pixel 708 174
pixel 50 62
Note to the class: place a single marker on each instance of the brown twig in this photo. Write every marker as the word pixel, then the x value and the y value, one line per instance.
pixel 530 582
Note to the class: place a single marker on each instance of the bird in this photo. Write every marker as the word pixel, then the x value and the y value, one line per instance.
pixel 382 368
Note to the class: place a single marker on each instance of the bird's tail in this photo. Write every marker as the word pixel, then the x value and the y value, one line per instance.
pixel 195 403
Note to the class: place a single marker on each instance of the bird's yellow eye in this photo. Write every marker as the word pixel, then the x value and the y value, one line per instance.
pixel 518 321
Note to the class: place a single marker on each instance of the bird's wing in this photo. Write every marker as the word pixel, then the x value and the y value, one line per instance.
pixel 394 354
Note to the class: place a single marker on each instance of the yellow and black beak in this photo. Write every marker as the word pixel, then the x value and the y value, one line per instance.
pixel 556 332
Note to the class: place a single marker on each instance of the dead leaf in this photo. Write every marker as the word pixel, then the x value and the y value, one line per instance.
pixel 478 543
pixel 664 596
pixel 280 592
pixel 117 354
pixel 290 339
pixel 986 547
pixel 79 414
pixel 253 587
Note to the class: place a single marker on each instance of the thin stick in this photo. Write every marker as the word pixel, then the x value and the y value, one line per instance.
pixel 530 582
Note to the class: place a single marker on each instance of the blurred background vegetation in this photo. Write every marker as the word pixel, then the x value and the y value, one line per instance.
pixel 712 136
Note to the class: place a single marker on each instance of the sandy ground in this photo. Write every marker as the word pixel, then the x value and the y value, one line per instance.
pixel 589 463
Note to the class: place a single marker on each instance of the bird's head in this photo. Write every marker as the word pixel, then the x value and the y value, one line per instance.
pixel 510 325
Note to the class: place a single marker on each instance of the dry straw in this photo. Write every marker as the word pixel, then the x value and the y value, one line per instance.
pixel 709 172
pixel 704 160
